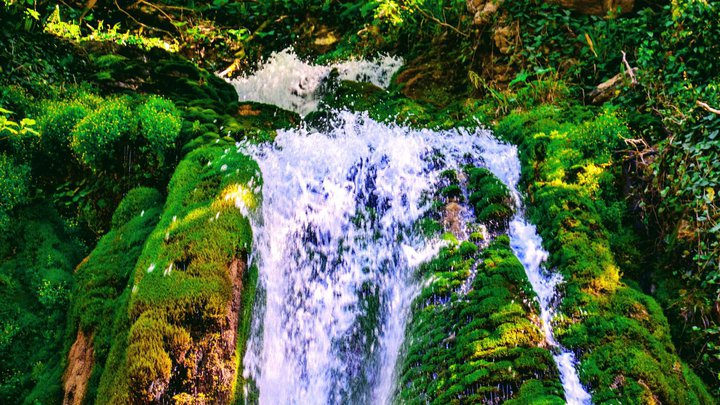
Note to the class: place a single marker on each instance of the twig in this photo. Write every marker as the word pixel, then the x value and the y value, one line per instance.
pixel 707 108
pixel 172 21
pixel 138 22
pixel 630 71
pixel 442 23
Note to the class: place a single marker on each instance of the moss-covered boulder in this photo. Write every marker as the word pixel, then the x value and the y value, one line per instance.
pixel 101 292
pixel 183 314
pixel 474 334
pixel 620 335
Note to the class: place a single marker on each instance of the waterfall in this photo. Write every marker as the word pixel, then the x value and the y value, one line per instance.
pixel 288 82
pixel 335 244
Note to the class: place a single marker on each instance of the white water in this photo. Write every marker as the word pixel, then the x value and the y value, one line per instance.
pixel 335 222
pixel 315 253
pixel 527 246
pixel 290 83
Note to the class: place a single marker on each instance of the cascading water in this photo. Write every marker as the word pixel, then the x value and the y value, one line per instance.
pixel 527 246
pixel 290 83
pixel 335 244
pixel 336 232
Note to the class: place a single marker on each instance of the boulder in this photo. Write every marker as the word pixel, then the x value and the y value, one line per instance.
pixel 482 10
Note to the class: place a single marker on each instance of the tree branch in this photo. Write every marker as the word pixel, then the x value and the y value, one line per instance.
pixel 630 71
pixel 707 108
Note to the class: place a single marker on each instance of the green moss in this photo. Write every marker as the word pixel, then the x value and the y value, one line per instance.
pixel 380 104
pixel 481 346
pixel 621 334
pixel 490 199
pixel 102 279
pixel 181 287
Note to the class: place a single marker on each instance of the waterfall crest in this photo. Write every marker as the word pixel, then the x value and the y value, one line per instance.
pixel 288 82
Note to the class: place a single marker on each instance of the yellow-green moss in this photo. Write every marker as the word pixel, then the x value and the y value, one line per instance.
pixel 620 334
pixel 181 287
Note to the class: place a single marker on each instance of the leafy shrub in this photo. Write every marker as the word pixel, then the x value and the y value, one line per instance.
pixel 37 257
pixel 159 123
pixel 59 122
pixel 96 138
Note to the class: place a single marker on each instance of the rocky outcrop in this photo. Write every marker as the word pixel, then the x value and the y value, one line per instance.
pixel 598 7
pixel 483 10
pixel 80 364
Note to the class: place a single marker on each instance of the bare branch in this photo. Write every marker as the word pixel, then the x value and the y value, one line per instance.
pixel 442 23
pixel 707 108
pixel 630 71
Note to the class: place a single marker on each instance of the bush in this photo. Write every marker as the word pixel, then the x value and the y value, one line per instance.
pixel 37 259
pixel 160 124
pixel 98 136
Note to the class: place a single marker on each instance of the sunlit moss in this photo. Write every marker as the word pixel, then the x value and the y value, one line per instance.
pixel 620 335
pixel 181 287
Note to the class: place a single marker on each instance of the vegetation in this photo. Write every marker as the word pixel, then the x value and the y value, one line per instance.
pixel 580 217
pixel 38 254
pixel 483 343
pixel 181 288
pixel 107 110
pixel 101 280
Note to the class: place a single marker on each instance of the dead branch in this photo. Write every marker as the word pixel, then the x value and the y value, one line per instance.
pixel 707 108
pixel 442 23
pixel 630 71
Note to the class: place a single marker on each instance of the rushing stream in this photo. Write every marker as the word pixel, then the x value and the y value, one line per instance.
pixel 335 245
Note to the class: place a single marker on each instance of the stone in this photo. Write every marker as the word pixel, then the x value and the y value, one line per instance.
pixel 483 10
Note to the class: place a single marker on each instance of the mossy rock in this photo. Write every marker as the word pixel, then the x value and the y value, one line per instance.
pixel 101 280
pixel 156 71
pixel 479 347
pixel 490 199
pixel 622 337
pixel 181 289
